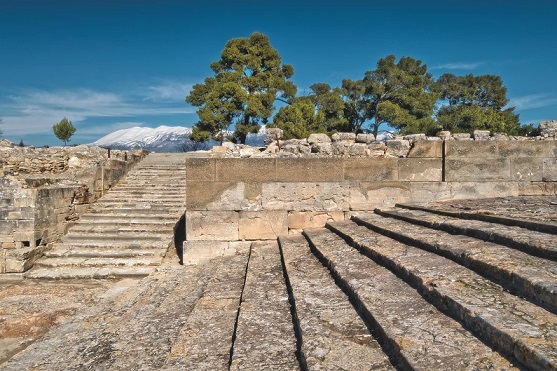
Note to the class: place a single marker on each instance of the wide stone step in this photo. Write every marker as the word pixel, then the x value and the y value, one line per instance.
pixel 103 253
pixel 123 218
pixel 513 325
pixel 531 242
pixel 264 335
pixel 330 333
pixel 524 274
pixel 118 244
pixel 145 210
pixel 535 225
pixel 74 261
pixel 115 228
pixel 114 236
pixel 414 333
pixel 88 272
pixel 206 338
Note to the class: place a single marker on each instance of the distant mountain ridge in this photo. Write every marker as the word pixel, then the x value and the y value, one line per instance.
pixel 160 139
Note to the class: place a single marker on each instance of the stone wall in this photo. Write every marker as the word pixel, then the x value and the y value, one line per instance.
pixel 44 189
pixel 261 198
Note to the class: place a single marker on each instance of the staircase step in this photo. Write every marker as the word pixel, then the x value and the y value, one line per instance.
pixel 115 236
pixel 88 273
pixel 501 319
pixel 206 338
pixel 264 336
pixel 534 225
pixel 98 262
pixel 108 244
pixel 119 228
pixel 331 334
pixel 413 332
pixel 530 276
pixel 532 242
pixel 103 253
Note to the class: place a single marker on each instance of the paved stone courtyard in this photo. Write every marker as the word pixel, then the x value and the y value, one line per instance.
pixel 445 288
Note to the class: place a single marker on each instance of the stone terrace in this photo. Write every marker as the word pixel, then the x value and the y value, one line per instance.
pixel 464 285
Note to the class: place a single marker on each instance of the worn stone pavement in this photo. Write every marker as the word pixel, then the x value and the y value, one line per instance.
pixel 425 287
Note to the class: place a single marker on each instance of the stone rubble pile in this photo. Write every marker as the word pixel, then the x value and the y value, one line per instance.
pixel 359 145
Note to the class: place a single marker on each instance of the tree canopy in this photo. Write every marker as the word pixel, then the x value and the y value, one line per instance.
pixel 247 80
pixel 476 102
pixel 401 94
pixel 64 130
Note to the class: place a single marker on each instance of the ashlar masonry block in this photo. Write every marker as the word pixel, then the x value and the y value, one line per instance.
pixel 420 169
pixel 322 196
pixel 262 225
pixel 312 219
pixel 212 225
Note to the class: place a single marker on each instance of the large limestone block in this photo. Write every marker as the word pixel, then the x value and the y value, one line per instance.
pixel 262 225
pixel 306 196
pixel 542 148
pixel 212 225
pixel 550 170
pixel 223 196
pixel 371 169
pixel 309 169
pixel 471 149
pixel 318 138
pixel 537 188
pixel 477 169
pixel 397 147
pixel 426 148
pixel 246 170
pixel 527 169
pixel 196 252
pixel 463 190
pixel 200 169
pixel 366 196
pixel 298 220
pixel 344 137
pixel 365 138
pixel 420 169
pixel 429 191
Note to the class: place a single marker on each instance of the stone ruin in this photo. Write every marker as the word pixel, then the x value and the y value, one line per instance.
pixel 43 189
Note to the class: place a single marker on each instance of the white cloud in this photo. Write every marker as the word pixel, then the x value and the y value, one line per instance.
pixel 168 91
pixel 458 66
pixel 533 101
pixel 35 111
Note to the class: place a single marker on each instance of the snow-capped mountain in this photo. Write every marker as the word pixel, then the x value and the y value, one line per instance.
pixel 162 139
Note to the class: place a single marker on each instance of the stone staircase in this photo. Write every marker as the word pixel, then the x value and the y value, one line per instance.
pixel 401 289
pixel 127 231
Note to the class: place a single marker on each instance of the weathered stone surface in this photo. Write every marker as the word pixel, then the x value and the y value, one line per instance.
pixel 377 149
pixel 464 190
pixel 415 137
pixel 309 170
pixel 322 148
pixel 527 169
pixel 272 134
pixel 365 138
pixel 343 137
pixel 196 252
pixel 549 170
pixel 398 312
pixel 397 147
pixel 264 336
pixel 369 195
pixel 223 196
pixel 200 169
pixel 420 169
pixel 461 136
pixel 299 220
pixel 371 169
pixel 481 134
pixel 318 138
pixel 333 335
pixel 262 225
pixel 426 148
pixel 471 149
pixel 212 225
pixel 477 169
pixel 306 196
pixel 548 128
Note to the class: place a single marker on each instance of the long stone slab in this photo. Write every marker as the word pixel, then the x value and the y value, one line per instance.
pixel 534 277
pixel 517 327
pixel 265 334
pixel 412 331
pixel 331 334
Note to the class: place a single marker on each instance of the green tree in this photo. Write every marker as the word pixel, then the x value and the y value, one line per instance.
pixel 476 103
pixel 401 94
pixel 248 79
pixel 64 130
pixel 330 107
pixel 299 119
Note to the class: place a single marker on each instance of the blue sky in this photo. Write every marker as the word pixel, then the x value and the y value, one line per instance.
pixel 109 65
